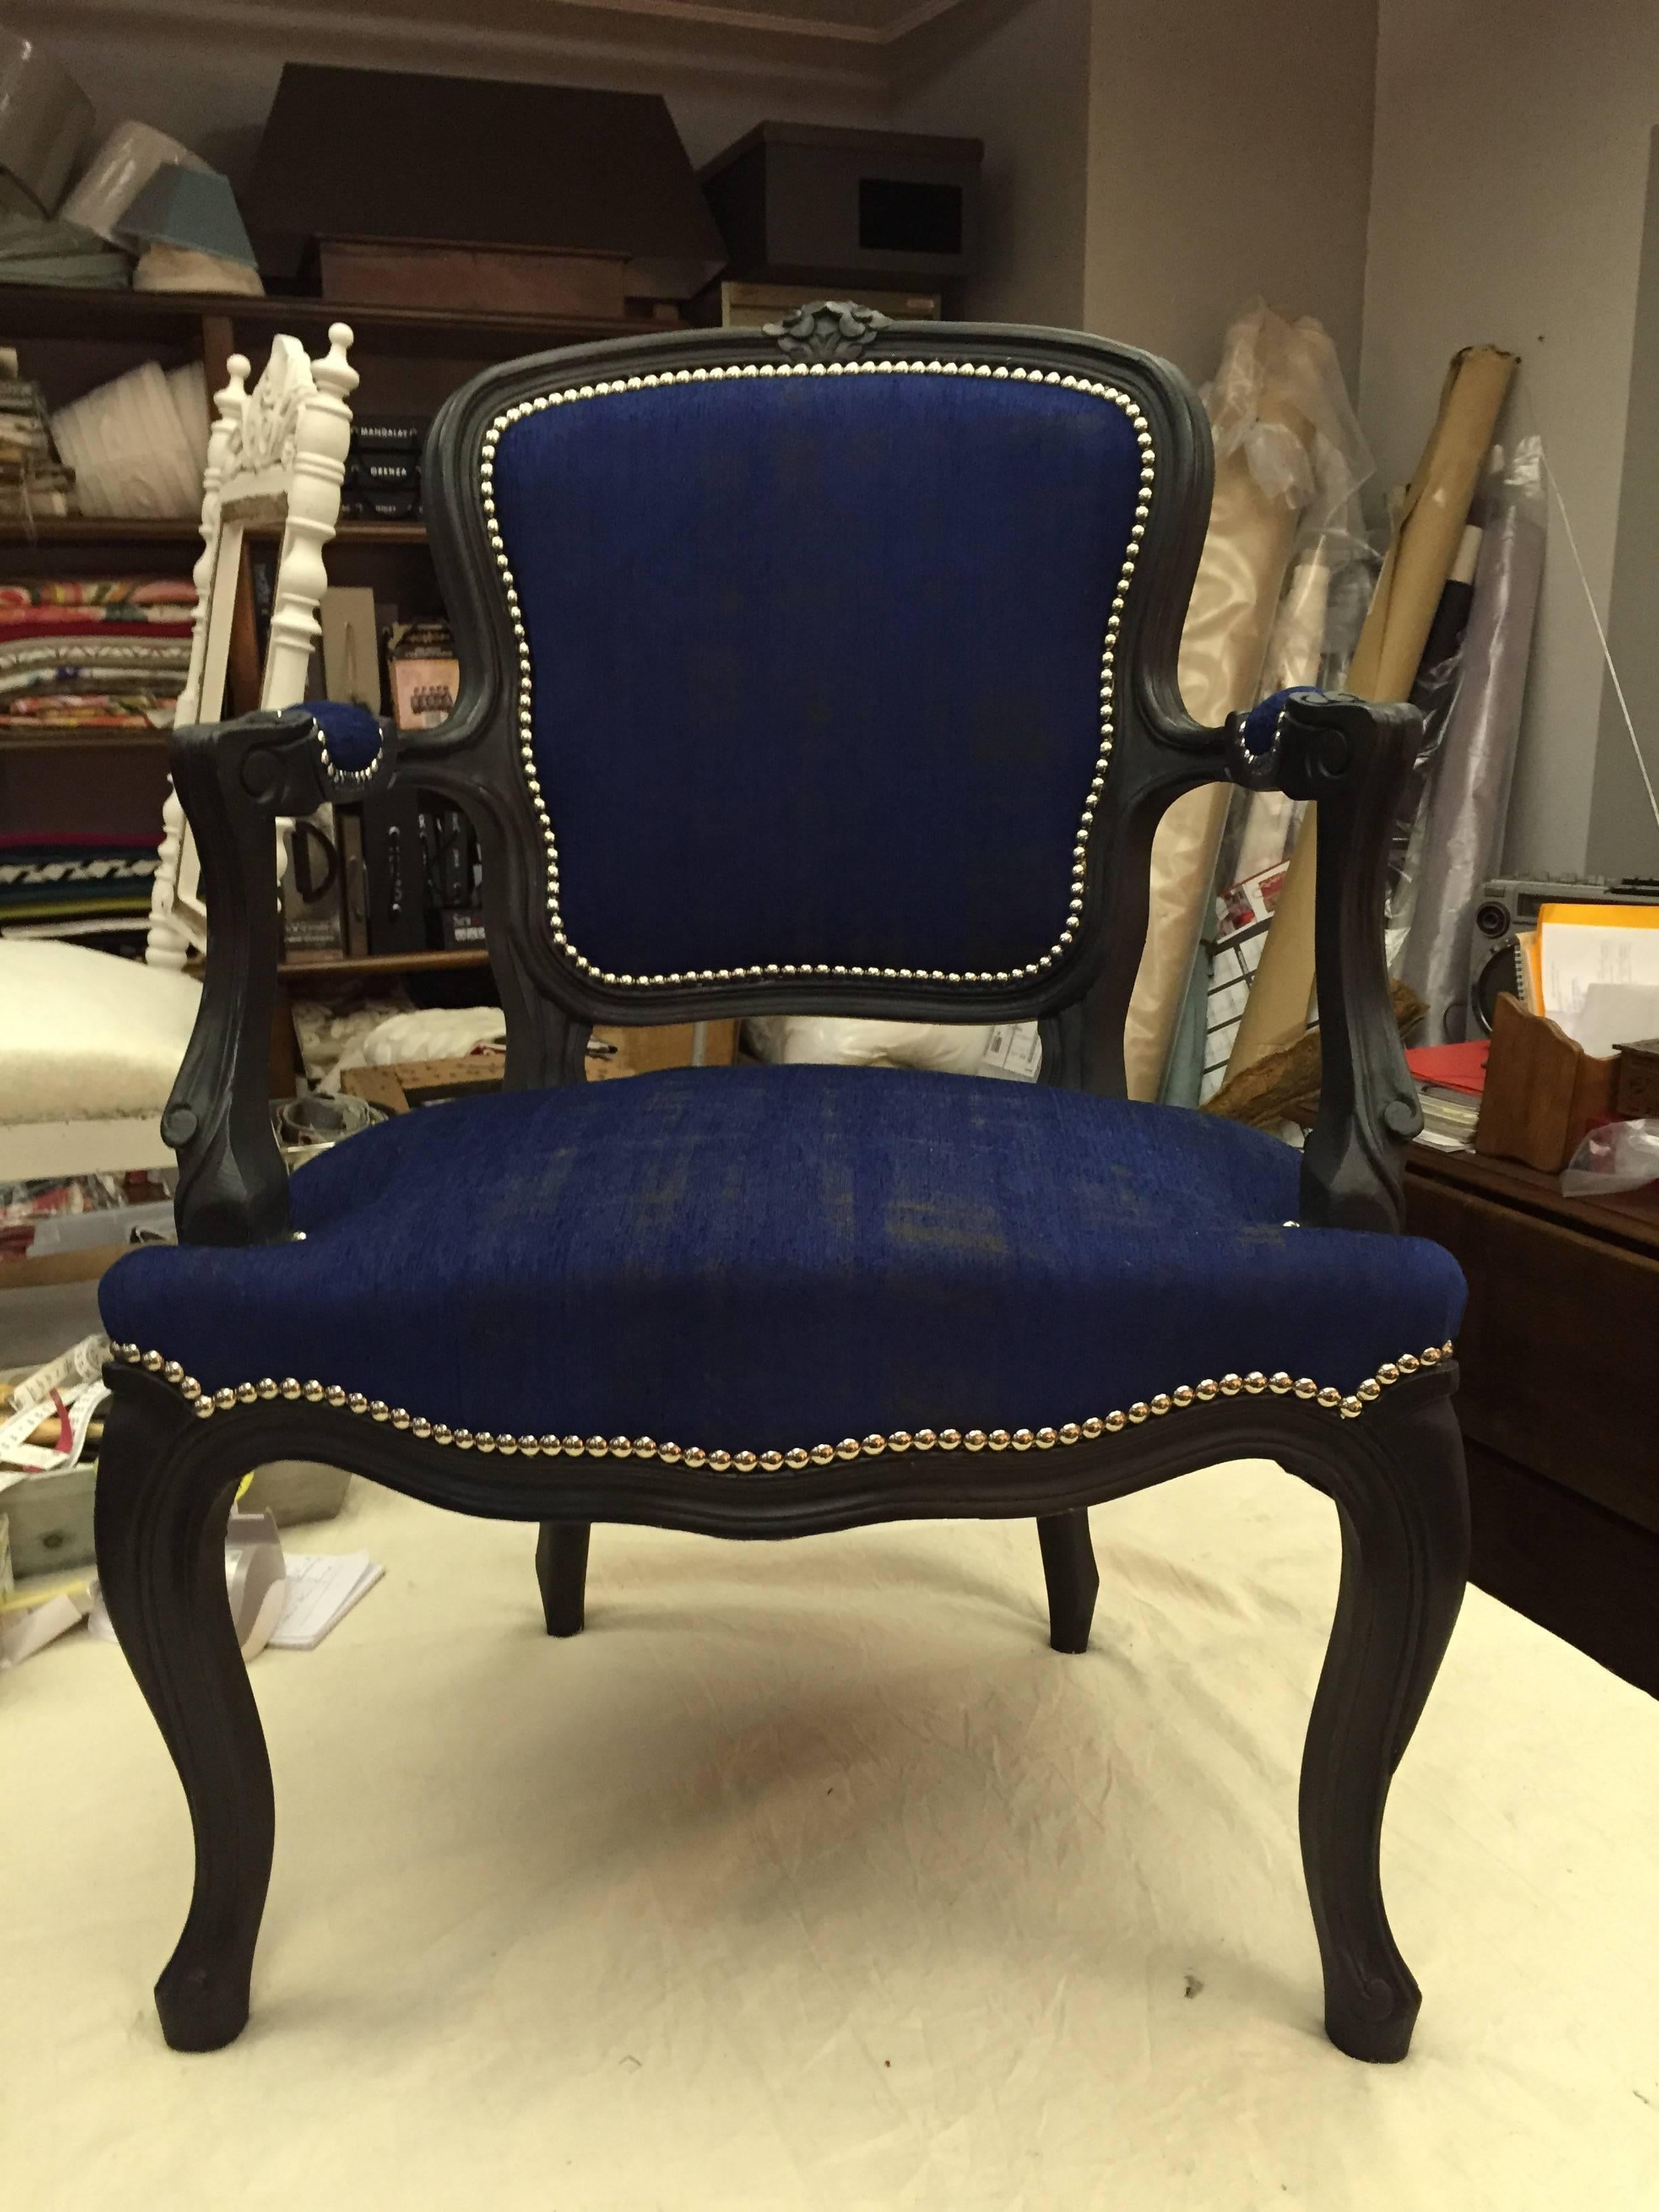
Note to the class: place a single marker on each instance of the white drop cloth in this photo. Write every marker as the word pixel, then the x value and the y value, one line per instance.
pixel 810 1877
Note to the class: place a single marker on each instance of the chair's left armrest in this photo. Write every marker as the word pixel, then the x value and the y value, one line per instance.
pixel 1352 757
pixel 235 781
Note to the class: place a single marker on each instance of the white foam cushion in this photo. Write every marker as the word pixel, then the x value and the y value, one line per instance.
pixel 85 1036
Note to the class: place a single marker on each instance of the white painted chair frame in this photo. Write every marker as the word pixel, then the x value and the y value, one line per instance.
pixel 276 455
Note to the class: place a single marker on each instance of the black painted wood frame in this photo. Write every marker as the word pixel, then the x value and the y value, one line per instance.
pixel 1396 1473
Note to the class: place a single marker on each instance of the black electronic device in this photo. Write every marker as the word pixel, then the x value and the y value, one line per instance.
pixel 1509 905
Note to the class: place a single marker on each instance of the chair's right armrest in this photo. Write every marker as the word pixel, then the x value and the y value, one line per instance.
pixel 235 781
pixel 1353 756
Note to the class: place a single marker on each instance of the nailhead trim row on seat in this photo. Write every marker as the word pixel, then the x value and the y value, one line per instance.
pixel 208 1403
pixel 1110 393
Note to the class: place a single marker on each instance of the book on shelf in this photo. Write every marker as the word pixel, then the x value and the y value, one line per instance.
pixel 313 891
pixel 423 673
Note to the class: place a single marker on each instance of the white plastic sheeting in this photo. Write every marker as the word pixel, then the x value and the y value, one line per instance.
pixel 810 1879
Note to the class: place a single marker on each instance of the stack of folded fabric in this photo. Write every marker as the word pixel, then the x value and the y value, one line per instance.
pixel 106 653
pixel 33 480
pixel 33 251
pixel 95 888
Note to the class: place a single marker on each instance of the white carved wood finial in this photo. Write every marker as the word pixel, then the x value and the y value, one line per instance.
pixel 169 941
pixel 231 401
pixel 321 435
pixel 276 453
pixel 334 373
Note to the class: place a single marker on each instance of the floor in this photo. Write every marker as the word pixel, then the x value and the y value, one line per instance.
pixel 811 1878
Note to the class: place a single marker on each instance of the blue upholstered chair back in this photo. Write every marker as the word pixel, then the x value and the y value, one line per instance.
pixel 817 671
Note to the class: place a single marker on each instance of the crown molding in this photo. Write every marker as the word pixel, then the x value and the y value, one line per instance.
pixel 685 35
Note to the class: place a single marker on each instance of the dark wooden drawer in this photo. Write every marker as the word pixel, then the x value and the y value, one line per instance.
pixel 1559 1349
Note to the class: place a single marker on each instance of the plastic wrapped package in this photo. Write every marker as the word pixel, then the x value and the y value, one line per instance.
pixel 1469 791
pixel 1262 823
pixel 1314 634
pixel 1289 456
pixel 1620 1156
pixel 1432 695
pixel 1429 521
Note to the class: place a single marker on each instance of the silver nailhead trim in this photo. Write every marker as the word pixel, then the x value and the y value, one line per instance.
pixel 1125 401
pixel 348 779
pixel 874 1446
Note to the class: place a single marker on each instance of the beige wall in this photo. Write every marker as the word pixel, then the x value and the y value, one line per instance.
pixel 1624 838
pixel 1023 87
pixel 1228 155
pixel 1506 205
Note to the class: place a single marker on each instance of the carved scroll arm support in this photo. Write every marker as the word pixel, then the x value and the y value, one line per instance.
pixel 235 779
pixel 1353 756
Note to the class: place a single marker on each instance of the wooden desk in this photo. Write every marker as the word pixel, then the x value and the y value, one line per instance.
pixel 1560 1396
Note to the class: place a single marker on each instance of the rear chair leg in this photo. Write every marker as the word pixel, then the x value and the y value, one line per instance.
pixel 1068 1568
pixel 561 1570
pixel 163 1497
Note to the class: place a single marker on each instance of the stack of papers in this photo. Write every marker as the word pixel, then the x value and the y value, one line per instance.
pixel 1598 973
pixel 322 1588
pixel 1450 1079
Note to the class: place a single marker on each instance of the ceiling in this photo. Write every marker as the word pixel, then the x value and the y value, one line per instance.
pixel 860 48
pixel 857 22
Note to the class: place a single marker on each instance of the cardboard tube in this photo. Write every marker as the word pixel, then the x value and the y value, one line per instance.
pixel 1427 529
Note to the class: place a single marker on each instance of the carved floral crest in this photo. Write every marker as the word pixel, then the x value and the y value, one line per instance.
pixel 829 329
pixel 262 428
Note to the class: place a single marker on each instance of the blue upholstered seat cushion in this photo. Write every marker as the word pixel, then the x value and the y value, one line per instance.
pixel 765 1259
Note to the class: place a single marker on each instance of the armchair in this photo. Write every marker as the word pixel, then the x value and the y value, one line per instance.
pixel 906 597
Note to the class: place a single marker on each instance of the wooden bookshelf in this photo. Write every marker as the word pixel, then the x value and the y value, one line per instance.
pixel 72 737
pixel 99 530
pixel 344 970
pixel 408 360
pixel 120 531
pixel 175 320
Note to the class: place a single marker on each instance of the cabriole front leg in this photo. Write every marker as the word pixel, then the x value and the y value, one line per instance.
pixel 1401 1492
pixel 164 1495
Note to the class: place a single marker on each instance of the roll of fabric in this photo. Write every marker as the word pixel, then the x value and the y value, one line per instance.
pixel 1428 526
pixel 1469 794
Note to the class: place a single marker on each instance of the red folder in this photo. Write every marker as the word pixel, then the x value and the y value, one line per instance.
pixel 1452 1066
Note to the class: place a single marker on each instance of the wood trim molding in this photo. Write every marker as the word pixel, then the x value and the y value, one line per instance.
pixel 555 39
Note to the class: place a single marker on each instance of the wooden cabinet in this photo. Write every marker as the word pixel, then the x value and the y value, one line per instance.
pixel 1557 1399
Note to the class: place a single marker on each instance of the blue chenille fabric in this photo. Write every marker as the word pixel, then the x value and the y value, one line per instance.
pixel 765 1258
pixel 816 662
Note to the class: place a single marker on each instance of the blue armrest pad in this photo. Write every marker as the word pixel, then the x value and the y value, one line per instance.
pixel 352 736
pixel 1258 728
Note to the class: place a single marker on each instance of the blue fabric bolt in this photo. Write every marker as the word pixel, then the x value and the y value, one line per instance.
pixel 765 1258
